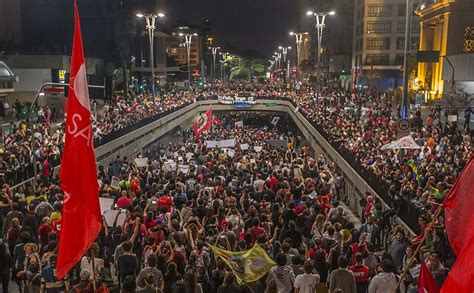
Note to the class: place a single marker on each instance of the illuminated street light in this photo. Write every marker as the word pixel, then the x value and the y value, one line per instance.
pixel 188 40
pixel 222 61
pixel 150 26
pixel 299 41
pixel 284 51
pixel 214 53
pixel 320 18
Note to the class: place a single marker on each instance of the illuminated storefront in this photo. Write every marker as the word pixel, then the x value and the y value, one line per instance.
pixel 445 28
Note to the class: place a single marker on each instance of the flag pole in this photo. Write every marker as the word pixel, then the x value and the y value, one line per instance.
pixel 418 248
pixel 94 286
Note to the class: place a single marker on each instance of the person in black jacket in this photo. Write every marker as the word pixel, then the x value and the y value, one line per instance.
pixel 5 265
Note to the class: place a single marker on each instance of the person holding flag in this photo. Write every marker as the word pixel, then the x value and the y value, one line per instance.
pixel 203 123
pixel 81 217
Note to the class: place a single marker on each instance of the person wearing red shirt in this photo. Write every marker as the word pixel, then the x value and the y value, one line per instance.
pixel 422 221
pixel 57 227
pixel 361 274
pixel 273 181
pixel 44 230
pixel 165 201
pixel 368 207
pixel 124 201
pixel 135 184
pixel 256 230
pixel 355 248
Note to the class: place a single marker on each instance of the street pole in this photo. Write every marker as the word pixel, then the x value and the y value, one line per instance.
pixel 299 41
pixel 406 61
pixel 150 26
pixel 151 35
pixel 214 53
pixel 222 69
pixel 188 41
pixel 224 56
pixel 320 18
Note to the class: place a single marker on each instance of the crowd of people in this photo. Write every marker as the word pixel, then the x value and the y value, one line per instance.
pixel 283 197
pixel 39 141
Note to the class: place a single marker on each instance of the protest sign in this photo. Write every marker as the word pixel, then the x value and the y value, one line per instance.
pixel 105 204
pixel 141 162
pixel 110 217
pixel 115 183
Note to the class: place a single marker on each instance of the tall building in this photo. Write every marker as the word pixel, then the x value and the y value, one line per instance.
pixel 335 49
pixel 303 24
pixel 111 31
pixel 379 42
pixel 176 48
pixel 447 26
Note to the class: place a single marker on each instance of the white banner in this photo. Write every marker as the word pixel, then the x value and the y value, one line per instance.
pixel 231 153
pixel 258 148
pixel 228 143
pixel 141 162
pixel 239 124
pixel 232 100
pixel 452 118
pixel 406 142
pixel 275 120
pixel 244 146
pixel 105 204
pixel 110 217
pixel 115 182
pixel 170 166
pixel 183 168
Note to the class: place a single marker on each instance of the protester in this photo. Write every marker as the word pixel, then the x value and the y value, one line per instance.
pixel 268 189
pixel 387 280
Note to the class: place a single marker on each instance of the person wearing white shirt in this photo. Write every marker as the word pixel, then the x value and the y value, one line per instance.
pixel 306 283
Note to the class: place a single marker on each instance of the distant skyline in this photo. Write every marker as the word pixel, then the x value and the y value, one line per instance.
pixel 260 25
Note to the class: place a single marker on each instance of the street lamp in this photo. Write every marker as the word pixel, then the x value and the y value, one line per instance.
pixel 272 62
pixel 150 26
pixel 284 51
pixel 299 41
pixel 222 61
pixel 320 18
pixel 277 57
pixel 188 39
pixel 214 53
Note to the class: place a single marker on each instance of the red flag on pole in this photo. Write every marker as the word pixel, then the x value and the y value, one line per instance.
pixel 461 276
pixel 203 123
pixel 458 209
pixel 81 218
pixel 460 229
pixel 426 282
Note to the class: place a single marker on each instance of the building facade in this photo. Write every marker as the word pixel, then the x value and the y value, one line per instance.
pixel 176 48
pixel 379 43
pixel 447 26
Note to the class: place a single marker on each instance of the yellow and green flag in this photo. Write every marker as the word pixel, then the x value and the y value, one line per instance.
pixel 247 266
pixel 414 167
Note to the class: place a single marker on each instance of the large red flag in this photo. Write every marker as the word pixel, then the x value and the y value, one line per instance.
pixel 460 229
pixel 458 207
pixel 81 218
pixel 461 276
pixel 426 282
pixel 203 123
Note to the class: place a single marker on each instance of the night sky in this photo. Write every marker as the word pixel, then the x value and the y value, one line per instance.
pixel 247 24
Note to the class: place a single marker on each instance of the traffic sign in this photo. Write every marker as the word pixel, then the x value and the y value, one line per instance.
pixel 403 124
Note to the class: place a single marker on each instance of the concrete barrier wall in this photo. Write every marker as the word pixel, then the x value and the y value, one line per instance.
pixel 132 143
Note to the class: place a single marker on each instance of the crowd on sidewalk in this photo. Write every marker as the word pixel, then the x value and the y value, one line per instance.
pixel 285 199
pixel 26 143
